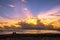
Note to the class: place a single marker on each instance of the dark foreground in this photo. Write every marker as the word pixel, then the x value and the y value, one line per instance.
pixel 15 36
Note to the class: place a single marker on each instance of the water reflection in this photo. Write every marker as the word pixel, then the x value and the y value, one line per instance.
pixel 28 31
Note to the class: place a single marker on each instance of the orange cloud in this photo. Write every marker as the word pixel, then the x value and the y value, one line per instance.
pixel 47 18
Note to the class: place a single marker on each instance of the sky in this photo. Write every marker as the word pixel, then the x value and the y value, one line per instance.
pixel 14 11
pixel 19 8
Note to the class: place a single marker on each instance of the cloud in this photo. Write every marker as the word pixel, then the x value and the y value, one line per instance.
pixel 7 22
pixel 45 17
pixel 23 0
pixel 27 12
pixel 50 13
pixel 10 5
pixel 56 14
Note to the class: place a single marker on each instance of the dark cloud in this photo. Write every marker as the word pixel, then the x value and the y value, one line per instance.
pixel 38 26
